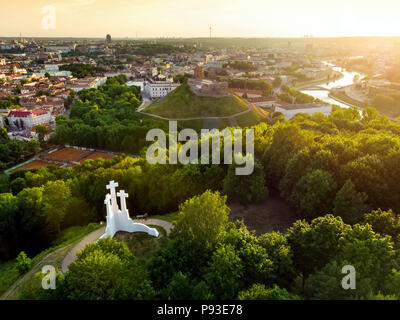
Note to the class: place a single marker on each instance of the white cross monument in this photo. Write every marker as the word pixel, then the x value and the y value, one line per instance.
pixel 119 220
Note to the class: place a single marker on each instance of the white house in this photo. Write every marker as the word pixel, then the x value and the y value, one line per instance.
pixel 291 110
pixel 159 89
pixel 26 119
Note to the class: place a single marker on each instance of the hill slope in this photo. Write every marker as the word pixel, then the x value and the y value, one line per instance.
pixel 184 103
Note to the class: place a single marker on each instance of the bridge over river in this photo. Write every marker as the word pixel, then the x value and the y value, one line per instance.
pixel 314 87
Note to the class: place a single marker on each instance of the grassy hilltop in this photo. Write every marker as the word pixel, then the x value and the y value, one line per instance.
pixel 184 103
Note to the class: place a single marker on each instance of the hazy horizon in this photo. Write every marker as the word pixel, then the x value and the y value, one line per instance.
pixel 192 19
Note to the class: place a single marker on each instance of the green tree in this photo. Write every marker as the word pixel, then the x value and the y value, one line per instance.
pixel 41 130
pixel 203 218
pixel 373 258
pixel 224 274
pixel 384 222
pixel 182 287
pixel 313 193
pixel 260 292
pixel 246 189
pixel 18 185
pixel 281 255
pixel 8 226
pixel 350 204
pixel 106 270
pixel 56 196
pixel 315 244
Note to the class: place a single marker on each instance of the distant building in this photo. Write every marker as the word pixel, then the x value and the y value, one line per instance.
pixel 159 89
pixel 62 49
pixel 289 111
pixel 108 39
pixel 208 87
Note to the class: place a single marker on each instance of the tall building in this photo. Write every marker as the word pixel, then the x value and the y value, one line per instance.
pixel 108 38
pixel 199 73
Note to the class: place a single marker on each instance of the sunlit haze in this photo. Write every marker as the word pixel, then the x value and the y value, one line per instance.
pixel 192 18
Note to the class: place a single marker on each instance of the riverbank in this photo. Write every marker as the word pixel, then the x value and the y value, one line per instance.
pixel 344 98
pixel 302 85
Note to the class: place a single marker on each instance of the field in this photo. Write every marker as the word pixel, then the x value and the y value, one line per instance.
pixel 184 103
pixel 96 155
pixel 67 154
pixel 36 164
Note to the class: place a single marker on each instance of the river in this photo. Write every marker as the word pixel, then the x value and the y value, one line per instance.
pixel 346 80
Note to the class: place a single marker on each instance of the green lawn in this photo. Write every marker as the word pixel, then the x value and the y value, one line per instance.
pixel 184 103
pixel 191 124
pixel 8 275
pixel 248 119
pixel 142 245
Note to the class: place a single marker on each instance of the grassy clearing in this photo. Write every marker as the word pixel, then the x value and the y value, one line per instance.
pixel 11 282
pixel 191 124
pixel 142 245
pixel 8 275
pixel 248 119
pixel 183 103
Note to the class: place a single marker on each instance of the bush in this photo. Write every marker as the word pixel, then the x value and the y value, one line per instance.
pixel 23 263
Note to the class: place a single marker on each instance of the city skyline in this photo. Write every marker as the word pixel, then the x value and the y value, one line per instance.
pixel 177 18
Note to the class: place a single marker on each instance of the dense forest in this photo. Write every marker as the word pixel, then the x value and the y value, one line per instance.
pixel 339 172
pixel 106 118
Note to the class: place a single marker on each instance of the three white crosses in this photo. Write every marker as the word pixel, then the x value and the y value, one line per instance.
pixel 119 220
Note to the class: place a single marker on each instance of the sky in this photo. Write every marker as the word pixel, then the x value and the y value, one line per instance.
pixel 193 18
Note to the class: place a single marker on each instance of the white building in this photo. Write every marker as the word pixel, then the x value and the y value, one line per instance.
pixel 86 83
pixel 26 119
pixel 137 83
pixel 291 110
pixel 159 89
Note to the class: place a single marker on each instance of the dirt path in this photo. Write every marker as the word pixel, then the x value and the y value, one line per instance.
pixel 92 237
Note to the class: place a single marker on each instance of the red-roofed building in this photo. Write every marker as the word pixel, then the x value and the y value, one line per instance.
pixel 26 119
